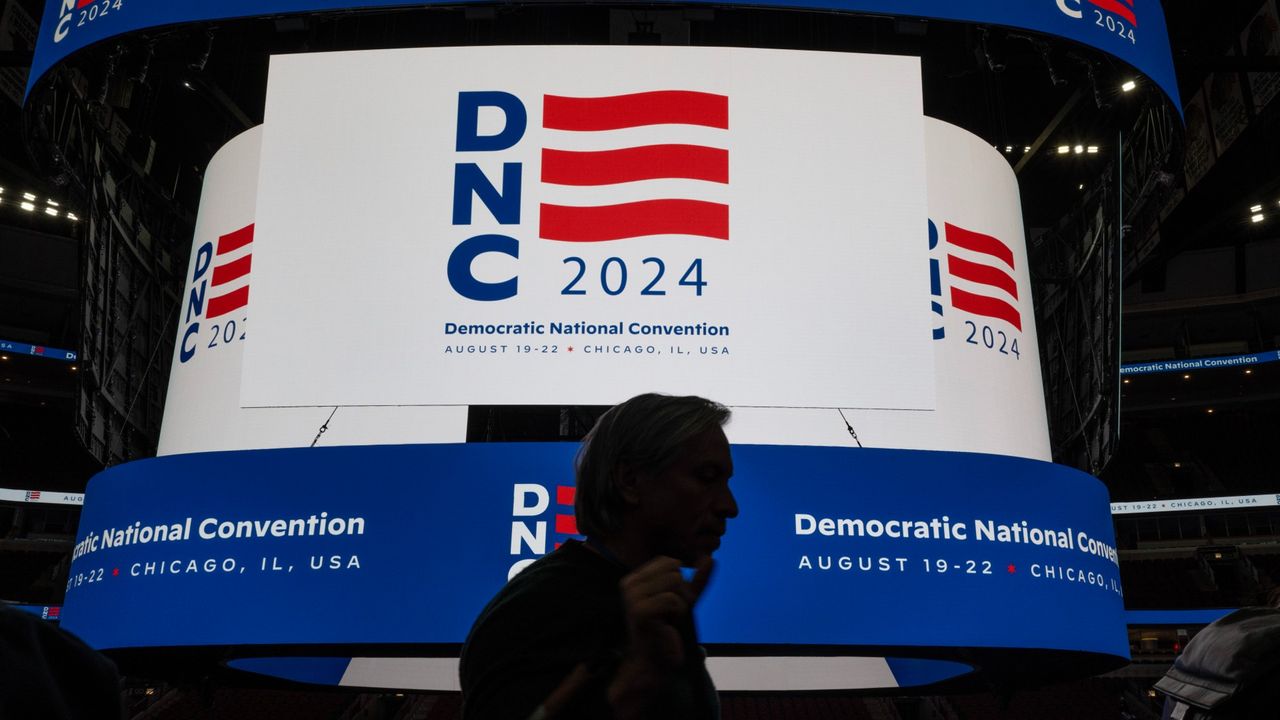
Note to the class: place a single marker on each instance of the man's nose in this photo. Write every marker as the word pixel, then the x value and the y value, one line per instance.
pixel 726 505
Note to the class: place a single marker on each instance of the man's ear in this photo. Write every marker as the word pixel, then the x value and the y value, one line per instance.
pixel 628 480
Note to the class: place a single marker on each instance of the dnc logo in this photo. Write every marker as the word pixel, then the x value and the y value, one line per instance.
pixel 531 501
pixel 1113 16
pixel 978 273
pixel 214 295
pixel 82 12
pixel 581 171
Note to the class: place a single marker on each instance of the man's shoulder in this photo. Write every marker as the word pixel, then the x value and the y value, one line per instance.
pixel 561 583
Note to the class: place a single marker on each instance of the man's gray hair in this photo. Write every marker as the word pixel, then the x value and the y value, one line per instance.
pixel 644 434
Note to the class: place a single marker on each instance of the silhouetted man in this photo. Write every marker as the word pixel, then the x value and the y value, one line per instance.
pixel 604 628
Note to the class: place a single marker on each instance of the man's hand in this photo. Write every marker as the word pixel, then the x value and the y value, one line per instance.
pixel 655 600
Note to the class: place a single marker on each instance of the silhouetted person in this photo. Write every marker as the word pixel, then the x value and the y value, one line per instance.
pixel 1230 670
pixel 50 674
pixel 604 628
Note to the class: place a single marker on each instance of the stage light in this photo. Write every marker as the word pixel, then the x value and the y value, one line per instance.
pixel 1081 186
pixel 1079 149
pixel 51 211
pixel 1126 381
pixel 1128 86
pixel 1025 148
pixel 1210 411
pixel 1256 208
pixel 28 196
pixel 1186 377
pixel 72 217
pixel 28 207
pixel 1008 148
pixel 1092 149
pixel 1248 372
pixel 1064 149
pixel 1177 465
pixel 1256 218
pixel 50 202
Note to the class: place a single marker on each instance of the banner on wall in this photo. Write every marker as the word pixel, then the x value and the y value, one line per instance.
pixel 1133 32
pixel 1262 39
pixel 612 221
pixel 1200 155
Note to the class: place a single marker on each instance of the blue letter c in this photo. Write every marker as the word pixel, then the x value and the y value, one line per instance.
pixel 459 269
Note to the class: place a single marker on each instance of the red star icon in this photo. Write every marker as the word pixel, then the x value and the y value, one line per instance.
pixel 115 572
pixel 570 348
pixel 1012 569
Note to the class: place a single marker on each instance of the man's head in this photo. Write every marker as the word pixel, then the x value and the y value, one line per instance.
pixel 656 469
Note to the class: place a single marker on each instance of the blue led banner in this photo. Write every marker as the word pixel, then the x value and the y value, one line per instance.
pixel 51 353
pixel 834 547
pixel 1205 363
pixel 1132 31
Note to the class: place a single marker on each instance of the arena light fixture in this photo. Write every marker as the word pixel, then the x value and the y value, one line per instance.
pixel 28 196
pixel 28 207
pixel 1025 148
pixel 50 202
pixel 1008 148
pixel 72 217
pixel 1078 149
pixel 1064 149
pixel 1256 208
pixel 1128 86
pixel 1256 218
pixel 1092 149
pixel 51 211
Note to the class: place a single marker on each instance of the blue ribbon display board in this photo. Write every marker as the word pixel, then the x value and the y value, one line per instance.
pixel 1134 32
pixel 1203 363
pixel 404 544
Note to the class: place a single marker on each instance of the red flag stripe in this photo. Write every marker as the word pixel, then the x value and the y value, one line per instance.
pixel 636 219
pixel 566 525
pixel 977 242
pixel 660 107
pixel 230 271
pixel 1117 8
pixel 649 162
pixel 235 240
pixel 973 272
pixel 985 306
pixel 224 304
pixel 565 494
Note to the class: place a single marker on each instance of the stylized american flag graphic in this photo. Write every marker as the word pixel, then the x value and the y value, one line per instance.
pixel 621 119
pixel 1123 8
pixel 984 266
pixel 33 495
pixel 566 522
pixel 229 288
